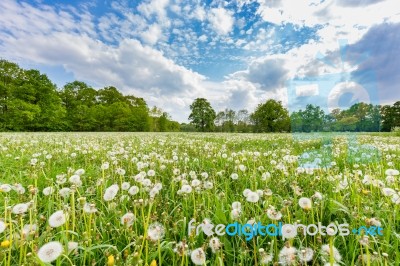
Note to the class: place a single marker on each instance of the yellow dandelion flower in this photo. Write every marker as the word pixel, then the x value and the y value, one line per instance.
pixel 365 192
pixel 5 243
pixel 110 260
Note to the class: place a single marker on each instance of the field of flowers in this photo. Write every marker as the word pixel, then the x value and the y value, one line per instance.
pixel 128 198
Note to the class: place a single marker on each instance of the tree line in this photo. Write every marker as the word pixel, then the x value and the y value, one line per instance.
pixel 29 101
pixel 271 116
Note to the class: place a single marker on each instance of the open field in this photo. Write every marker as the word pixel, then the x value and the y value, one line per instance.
pixel 128 198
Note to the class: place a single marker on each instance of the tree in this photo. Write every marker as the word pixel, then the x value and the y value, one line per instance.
pixel 202 115
pixel 9 74
pixel 28 100
pixel 390 116
pixel 243 121
pixel 271 116
pixel 80 101
pixel 225 120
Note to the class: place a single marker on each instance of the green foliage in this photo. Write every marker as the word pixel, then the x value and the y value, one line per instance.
pixel 29 101
pixel 271 117
pixel 359 117
pixel 390 116
pixel 88 165
pixel 202 115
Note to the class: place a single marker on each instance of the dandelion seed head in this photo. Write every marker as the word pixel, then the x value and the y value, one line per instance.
pixel 111 192
pixel 287 256
pixel 20 208
pixel 50 252
pixel 156 231
pixel 198 256
pixel 128 219
pixel 57 219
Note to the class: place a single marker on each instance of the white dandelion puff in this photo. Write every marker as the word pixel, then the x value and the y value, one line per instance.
pixel 3 226
pixel 186 189
pixel 120 171
pixel 215 244
pixel 133 190
pixel 156 231
pixel 64 192
pixel 111 192
pixel 125 186
pixel 246 192
pixel 305 255
pixel 252 197
pixel 151 173
pixel 57 219
pixel 20 208
pixel 274 214
pixel 198 256
pixel 5 187
pixel 388 191
pixel 305 203
pixel 75 179
pixel 89 208
pixel 105 166
pixel 128 219
pixel 80 172
pixel 392 172
pixel 48 191
pixel 50 252
pixel 287 256
pixel 289 231
pixel 236 205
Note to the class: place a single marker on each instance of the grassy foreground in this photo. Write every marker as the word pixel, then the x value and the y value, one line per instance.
pixel 127 198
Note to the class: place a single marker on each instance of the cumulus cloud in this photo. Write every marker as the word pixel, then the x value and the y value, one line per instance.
pixel 269 73
pixel 154 7
pixel 337 13
pixel 221 20
pixel 152 34
pixel 129 65
pixel 143 50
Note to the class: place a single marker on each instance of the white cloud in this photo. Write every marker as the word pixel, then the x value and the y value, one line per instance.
pixel 106 50
pixel 268 72
pixel 341 19
pixel 307 90
pixel 129 65
pixel 152 34
pixel 203 38
pixel 199 13
pixel 154 7
pixel 221 20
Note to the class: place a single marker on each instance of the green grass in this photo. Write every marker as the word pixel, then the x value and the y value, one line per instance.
pixel 177 159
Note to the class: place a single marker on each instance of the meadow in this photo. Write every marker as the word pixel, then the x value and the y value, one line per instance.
pixel 128 198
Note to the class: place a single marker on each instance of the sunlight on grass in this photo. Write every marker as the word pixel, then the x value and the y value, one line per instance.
pixel 127 198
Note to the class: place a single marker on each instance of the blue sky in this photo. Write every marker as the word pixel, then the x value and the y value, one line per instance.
pixel 235 53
